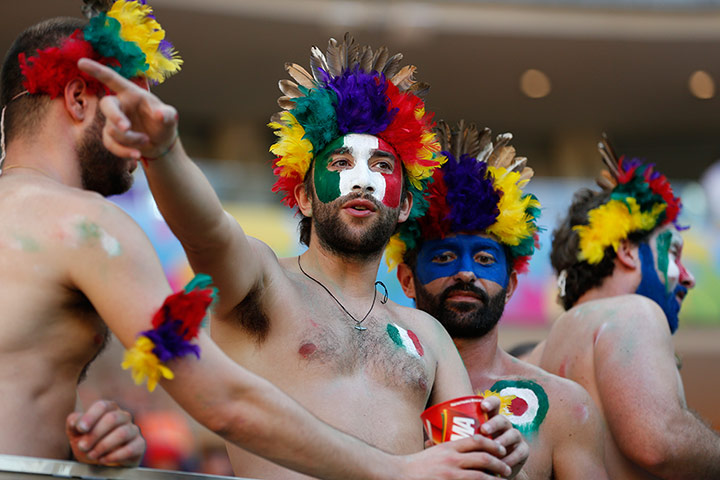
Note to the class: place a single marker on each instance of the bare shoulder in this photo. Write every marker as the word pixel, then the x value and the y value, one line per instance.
pixel 65 218
pixel 543 399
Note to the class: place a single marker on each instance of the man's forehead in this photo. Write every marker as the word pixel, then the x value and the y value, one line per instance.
pixel 475 239
pixel 675 236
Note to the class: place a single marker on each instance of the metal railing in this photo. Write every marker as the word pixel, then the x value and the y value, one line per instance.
pixel 14 467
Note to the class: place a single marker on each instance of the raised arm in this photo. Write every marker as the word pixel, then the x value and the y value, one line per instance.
pixel 141 126
pixel 642 396
pixel 116 269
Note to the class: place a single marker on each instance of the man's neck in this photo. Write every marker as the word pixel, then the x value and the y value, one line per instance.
pixel 49 153
pixel 615 285
pixel 354 277
pixel 481 355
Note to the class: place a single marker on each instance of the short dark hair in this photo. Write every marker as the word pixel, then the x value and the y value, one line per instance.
pixel 582 276
pixel 305 224
pixel 25 113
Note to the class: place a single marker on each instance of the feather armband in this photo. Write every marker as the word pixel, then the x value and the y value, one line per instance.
pixel 175 325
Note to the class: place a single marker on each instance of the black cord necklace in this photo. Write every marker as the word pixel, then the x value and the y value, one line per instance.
pixel 357 325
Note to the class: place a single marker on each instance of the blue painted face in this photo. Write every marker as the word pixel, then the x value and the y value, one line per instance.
pixel 653 288
pixel 462 253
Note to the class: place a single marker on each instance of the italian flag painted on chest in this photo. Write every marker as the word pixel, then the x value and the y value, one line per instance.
pixel 405 339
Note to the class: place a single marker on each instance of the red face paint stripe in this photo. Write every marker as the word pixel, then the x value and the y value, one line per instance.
pixel 393 181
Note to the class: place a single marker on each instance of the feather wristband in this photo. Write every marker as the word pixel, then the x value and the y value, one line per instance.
pixel 175 325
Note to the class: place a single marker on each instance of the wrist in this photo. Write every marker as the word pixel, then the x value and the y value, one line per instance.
pixel 173 143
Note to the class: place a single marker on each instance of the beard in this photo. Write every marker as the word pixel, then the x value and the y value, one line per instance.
pixel 100 170
pixel 462 319
pixel 338 238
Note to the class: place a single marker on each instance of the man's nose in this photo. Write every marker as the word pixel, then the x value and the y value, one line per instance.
pixel 363 180
pixel 686 279
pixel 467 276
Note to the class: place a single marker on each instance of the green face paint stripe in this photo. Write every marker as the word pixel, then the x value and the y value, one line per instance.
pixel 528 426
pixel 327 183
pixel 663 254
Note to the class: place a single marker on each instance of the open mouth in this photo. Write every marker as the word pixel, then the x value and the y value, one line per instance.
pixel 360 207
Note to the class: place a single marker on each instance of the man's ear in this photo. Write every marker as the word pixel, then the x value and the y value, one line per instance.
pixel 628 255
pixel 511 286
pixel 406 279
pixel 303 199
pixel 405 208
pixel 77 99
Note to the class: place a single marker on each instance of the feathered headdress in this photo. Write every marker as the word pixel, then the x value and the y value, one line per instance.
pixel 478 189
pixel 352 90
pixel 123 35
pixel 641 199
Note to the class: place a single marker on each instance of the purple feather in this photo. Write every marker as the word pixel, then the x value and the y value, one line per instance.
pixel 362 106
pixel 472 198
pixel 168 343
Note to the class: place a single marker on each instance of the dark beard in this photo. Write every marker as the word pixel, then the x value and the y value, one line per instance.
pixel 463 320
pixel 337 238
pixel 100 170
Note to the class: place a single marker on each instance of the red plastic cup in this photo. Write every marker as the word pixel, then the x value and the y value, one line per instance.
pixel 454 419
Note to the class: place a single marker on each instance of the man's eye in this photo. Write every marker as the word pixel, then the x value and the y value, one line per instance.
pixel 443 258
pixel 384 166
pixel 340 163
pixel 484 259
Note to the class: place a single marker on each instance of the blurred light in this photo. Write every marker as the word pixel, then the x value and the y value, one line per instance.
pixel 535 84
pixel 701 85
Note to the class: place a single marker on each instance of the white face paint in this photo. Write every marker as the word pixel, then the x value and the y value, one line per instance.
pixel 673 273
pixel 674 248
pixel 362 147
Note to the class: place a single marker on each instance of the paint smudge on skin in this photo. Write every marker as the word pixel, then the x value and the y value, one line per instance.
pixel 405 339
pixel 90 232
pixel 562 370
pixel 26 244
pixel 581 413
pixel 524 402
pixel 307 349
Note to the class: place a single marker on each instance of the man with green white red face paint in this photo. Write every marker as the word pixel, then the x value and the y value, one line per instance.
pixel 618 255
pixel 355 150
pixel 460 263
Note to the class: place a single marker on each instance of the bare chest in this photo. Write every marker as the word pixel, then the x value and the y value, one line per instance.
pixel 317 339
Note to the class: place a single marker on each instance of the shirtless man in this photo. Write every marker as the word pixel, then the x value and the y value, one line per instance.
pixel 618 256
pixel 315 324
pixel 462 269
pixel 70 257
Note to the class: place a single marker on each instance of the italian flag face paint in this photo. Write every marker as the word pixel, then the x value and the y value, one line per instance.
pixel 405 339
pixel 525 403
pixel 359 160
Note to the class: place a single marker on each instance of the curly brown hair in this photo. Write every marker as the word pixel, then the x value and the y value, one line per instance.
pixel 582 276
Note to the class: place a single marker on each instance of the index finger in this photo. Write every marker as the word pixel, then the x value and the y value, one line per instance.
pixel 88 419
pixel 113 80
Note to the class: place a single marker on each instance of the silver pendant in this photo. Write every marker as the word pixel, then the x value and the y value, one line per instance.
pixel 360 327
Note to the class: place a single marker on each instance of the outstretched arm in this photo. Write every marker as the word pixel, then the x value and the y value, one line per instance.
pixel 139 125
pixel 643 400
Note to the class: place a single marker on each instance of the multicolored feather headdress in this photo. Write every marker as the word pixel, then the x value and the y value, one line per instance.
pixel 641 200
pixel 126 37
pixel 478 189
pixel 353 90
